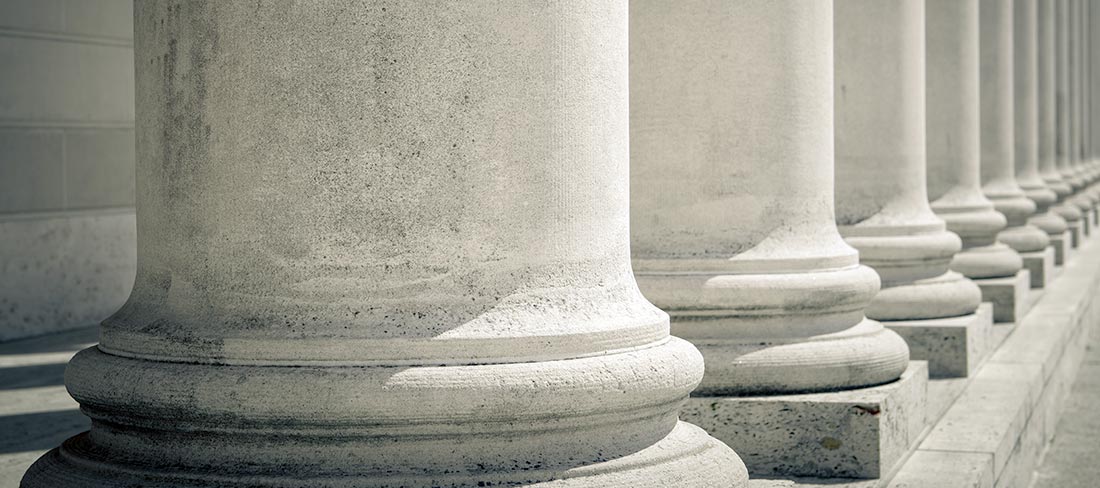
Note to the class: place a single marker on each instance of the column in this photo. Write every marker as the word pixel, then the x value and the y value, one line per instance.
pixel 732 226
pixel 881 201
pixel 998 125
pixel 954 156
pixel 1094 97
pixel 384 244
pixel 1082 198
pixel 1049 121
pixel 1065 96
pixel 1026 114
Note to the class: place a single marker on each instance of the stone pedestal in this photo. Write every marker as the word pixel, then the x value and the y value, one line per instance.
pixel 376 248
pixel 732 222
pixel 1009 295
pixel 953 347
pixel 1063 247
pixel 863 433
pixel 1040 265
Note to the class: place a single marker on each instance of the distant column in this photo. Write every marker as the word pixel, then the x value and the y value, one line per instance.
pixel 1026 113
pixel 881 199
pixel 1049 113
pixel 954 154
pixel 732 198
pixel 998 126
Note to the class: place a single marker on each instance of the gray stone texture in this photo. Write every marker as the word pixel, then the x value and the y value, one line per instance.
pixel 860 433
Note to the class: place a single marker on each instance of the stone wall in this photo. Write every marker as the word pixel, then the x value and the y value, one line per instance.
pixel 67 249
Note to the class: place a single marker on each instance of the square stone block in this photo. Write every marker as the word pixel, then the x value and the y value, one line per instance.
pixel 954 347
pixel 862 433
pixel 1008 295
pixel 1062 245
pixel 1075 235
pixel 1041 266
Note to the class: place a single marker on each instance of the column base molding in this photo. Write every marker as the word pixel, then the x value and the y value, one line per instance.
pixel 687 456
pixel 606 420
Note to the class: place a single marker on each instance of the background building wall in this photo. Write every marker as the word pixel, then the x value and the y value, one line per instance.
pixel 67 232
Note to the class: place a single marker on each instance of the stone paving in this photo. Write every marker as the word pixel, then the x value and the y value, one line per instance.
pixel 1073 459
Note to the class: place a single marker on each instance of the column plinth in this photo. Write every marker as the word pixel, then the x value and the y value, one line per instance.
pixel 881 201
pixel 376 248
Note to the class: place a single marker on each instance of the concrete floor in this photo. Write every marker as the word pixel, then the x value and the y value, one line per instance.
pixel 1073 459
pixel 36 414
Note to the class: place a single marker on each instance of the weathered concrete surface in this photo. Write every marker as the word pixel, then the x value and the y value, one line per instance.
pixel 64 271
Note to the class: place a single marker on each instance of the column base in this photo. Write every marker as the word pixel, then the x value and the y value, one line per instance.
pixel 1062 244
pixel 1075 234
pixel 1040 264
pixel 687 456
pixel 954 347
pixel 1008 295
pixel 608 420
pixel 862 433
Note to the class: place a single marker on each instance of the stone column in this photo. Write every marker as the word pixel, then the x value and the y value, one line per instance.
pixel 998 124
pixel 1082 198
pixel 384 244
pixel 1026 113
pixel 881 201
pixel 732 220
pixel 1048 120
pixel 1065 96
pixel 952 127
pixel 1094 96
